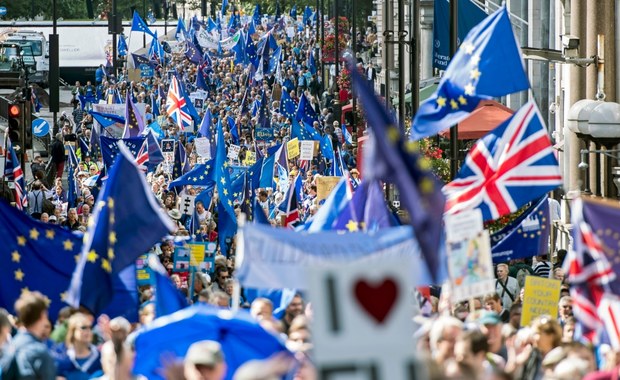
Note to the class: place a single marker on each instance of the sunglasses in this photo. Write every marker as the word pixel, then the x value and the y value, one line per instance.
pixel 85 328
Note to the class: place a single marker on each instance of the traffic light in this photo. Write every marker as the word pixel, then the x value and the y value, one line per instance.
pixel 16 123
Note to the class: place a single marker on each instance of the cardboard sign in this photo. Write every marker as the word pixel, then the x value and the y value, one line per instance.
pixel 203 147
pixel 362 325
pixel 306 150
pixel 471 267
pixel 198 254
pixel 292 148
pixel 233 152
pixel 541 297
pixel 324 186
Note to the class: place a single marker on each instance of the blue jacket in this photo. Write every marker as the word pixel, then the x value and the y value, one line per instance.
pixel 27 358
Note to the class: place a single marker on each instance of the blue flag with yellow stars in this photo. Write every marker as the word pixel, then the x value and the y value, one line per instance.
pixel 35 256
pixel 487 65
pixel 181 163
pixel 327 149
pixel 126 222
pixel 192 53
pixel 287 105
pixel 396 161
pixel 109 148
pixel 366 211
pixel 305 112
pixel 200 175
pixel 122 46
pixel 138 25
pixel 227 220
pixel 134 124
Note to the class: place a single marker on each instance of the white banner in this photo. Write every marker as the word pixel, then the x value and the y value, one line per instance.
pixel 209 41
pixel 278 258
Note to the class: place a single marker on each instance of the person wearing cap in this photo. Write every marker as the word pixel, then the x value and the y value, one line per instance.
pixel 204 360
pixel 490 324
pixel 37 165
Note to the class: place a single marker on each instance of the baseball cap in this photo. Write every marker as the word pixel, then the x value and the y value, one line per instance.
pixel 206 352
pixel 488 318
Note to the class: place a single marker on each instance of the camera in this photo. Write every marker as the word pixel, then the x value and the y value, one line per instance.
pixel 571 45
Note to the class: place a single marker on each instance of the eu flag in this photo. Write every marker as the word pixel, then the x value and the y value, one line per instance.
pixel 287 105
pixel 138 25
pixel 487 65
pixel 192 53
pixel 126 222
pixel 122 46
pixel 393 160
pixel 227 220
pixel 367 210
pixel 107 119
pixel 35 256
pixel 181 163
pixel 134 125
pixel 200 175
pixel 264 115
pixel 305 111
pixel 110 148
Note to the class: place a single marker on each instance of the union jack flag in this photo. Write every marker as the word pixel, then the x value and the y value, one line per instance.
pixel 590 270
pixel 13 172
pixel 510 166
pixel 143 155
pixel 176 106
pixel 290 207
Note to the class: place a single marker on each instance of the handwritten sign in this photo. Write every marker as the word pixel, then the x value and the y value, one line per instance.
pixel 324 186
pixel 203 147
pixel 233 152
pixel 292 148
pixel 541 298
pixel 306 150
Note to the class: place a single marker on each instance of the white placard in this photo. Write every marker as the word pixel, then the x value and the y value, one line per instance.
pixel 464 225
pixel 306 150
pixel 203 147
pixel 362 320
pixel 471 267
pixel 186 204
pixel 233 152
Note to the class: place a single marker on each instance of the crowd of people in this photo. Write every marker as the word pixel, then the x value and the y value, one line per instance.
pixel 479 339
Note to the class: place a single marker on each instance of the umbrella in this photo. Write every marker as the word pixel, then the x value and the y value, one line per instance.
pixel 241 337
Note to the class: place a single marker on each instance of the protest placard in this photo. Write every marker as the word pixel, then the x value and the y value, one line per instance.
pixel 186 205
pixel 324 186
pixel 292 148
pixel 540 298
pixel 200 255
pixel 306 150
pixel 233 152
pixel 203 147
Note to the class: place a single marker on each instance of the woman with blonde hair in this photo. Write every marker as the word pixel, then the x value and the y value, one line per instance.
pixel 81 359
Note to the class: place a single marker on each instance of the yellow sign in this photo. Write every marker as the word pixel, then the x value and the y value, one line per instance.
pixel 250 158
pixel 292 147
pixel 324 186
pixel 541 298
pixel 197 253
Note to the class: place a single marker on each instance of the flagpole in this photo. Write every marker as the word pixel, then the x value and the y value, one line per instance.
pixel 236 296
pixel 454 131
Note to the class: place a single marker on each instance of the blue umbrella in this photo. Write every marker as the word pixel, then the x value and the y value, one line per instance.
pixel 241 337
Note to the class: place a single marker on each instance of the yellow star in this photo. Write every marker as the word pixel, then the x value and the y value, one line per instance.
pixel 468 48
pixel 454 104
pixel 15 257
pixel 112 237
pixel 426 186
pixel 105 265
pixel 201 177
pixel 21 241
pixel 111 254
pixel 34 234
pixel 475 74
pixel 25 290
pixel 77 258
pixel 225 164
pixel 19 275
pixel 91 221
pixel 424 164
pixel 230 203
pixel 393 134
pixel 92 256
pixel 475 60
pixel 50 234
pixel 68 245
pixel 462 100
pixel 469 89
pixel 352 226
pixel 63 296
pixel 223 181
pixel 411 146
pixel 101 204
pixel 110 203
pixel 225 192
pixel 441 101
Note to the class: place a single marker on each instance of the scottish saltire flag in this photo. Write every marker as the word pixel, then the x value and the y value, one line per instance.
pixel 122 46
pixel 134 125
pixel 592 266
pixel 126 222
pixel 346 135
pixel 510 166
pixel 393 160
pixel 13 172
pixel 305 112
pixel 34 256
pixel 138 25
pixel 176 106
pixel 487 65
pixel 526 236
pixel 227 222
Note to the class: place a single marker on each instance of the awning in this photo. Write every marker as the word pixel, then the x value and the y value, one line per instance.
pixel 425 93
pixel 486 117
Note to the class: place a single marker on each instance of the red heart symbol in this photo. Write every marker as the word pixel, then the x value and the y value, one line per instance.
pixel 377 299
